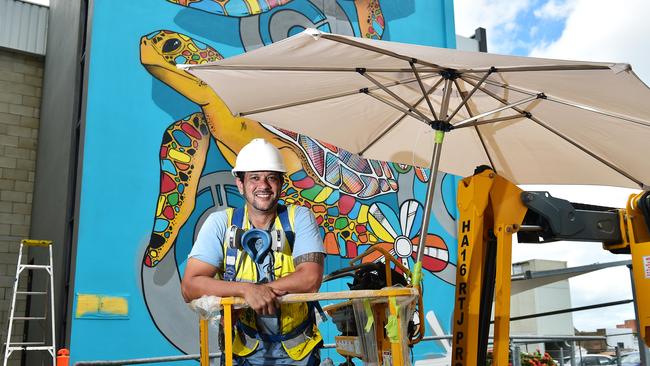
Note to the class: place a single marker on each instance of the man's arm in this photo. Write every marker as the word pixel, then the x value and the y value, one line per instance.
pixel 199 280
pixel 307 277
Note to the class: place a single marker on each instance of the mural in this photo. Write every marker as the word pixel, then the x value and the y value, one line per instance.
pixel 183 167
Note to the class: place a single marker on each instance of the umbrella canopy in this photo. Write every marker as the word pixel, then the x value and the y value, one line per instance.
pixel 534 121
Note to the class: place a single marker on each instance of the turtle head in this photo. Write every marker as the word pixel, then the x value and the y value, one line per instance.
pixel 162 50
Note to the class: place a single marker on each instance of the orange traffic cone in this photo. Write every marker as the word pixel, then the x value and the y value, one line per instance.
pixel 63 357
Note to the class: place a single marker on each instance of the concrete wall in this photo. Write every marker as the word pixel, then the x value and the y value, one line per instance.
pixel 20 99
pixel 550 297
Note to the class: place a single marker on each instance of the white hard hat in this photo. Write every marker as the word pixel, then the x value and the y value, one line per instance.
pixel 259 155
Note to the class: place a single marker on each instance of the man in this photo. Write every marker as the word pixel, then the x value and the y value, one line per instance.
pixel 267 333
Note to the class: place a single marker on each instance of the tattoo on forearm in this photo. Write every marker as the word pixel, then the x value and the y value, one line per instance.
pixel 310 257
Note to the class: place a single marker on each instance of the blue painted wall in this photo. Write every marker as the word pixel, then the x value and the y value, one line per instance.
pixel 128 113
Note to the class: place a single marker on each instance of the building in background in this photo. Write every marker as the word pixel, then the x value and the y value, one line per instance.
pixel 625 336
pixel 23 31
pixel 553 296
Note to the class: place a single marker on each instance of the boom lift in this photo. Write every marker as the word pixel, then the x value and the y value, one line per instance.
pixel 492 209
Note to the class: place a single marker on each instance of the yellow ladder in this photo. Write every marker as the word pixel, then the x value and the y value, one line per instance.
pixel 10 346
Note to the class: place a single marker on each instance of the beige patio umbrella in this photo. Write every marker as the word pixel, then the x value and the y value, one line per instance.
pixel 534 121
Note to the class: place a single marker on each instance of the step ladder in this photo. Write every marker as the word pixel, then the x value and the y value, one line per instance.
pixel 10 346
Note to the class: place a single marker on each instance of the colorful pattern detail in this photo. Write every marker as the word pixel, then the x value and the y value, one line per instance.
pixel 399 235
pixel 178 48
pixel 182 156
pixel 421 173
pixel 374 22
pixel 233 8
pixel 341 218
pixel 340 169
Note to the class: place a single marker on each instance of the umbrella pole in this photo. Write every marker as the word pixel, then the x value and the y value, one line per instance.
pixel 431 188
pixel 440 126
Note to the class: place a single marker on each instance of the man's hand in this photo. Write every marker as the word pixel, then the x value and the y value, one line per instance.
pixel 263 298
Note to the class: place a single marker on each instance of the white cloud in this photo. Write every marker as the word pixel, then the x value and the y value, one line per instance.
pixel 599 30
pixel 554 10
pixel 498 17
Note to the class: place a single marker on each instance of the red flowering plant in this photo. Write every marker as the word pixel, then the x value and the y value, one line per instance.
pixel 527 359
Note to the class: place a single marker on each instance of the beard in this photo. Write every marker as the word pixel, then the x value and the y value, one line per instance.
pixel 263 204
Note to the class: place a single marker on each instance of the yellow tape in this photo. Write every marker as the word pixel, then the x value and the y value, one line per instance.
pixel 416 274
pixel 369 315
pixel 392 331
pixel 115 305
pixel 36 243
pixel 392 325
pixel 87 304
pixel 440 136
pixel 98 306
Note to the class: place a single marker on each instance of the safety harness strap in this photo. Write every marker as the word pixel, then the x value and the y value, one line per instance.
pixel 238 217
pixel 297 331
pixel 231 261
pixel 283 214
pixel 231 252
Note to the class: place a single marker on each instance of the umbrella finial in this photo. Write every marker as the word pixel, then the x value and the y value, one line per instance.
pixel 313 32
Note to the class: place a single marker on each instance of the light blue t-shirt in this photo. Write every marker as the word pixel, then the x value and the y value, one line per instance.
pixel 208 248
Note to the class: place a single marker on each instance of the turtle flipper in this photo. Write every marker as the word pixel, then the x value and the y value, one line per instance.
pixel 371 18
pixel 182 156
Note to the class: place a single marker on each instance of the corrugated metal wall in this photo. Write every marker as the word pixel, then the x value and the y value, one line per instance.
pixel 23 26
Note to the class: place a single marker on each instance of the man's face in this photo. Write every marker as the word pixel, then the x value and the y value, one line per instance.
pixel 261 189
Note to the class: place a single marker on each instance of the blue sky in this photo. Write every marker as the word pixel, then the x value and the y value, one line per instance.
pixel 589 30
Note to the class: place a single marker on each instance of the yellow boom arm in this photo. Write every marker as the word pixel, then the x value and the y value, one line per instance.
pixel 491 210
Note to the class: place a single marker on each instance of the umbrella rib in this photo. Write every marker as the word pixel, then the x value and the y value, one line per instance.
pixel 328 97
pixel 598 111
pixel 564 137
pixel 466 98
pixel 468 121
pixel 551 98
pixel 401 109
pixel 493 120
pixel 446 96
pixel 394 95
pixel 398 120
pixel 478 132
pixel 570 67
pixel 383 133
pixel 424 93
pixel 297 68
pixel 364 46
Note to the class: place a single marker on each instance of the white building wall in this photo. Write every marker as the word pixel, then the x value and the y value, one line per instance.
pixel 554 296
pixel 23 26
pixel 622 335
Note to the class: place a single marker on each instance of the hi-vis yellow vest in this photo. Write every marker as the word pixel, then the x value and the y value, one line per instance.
pixel 297 321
